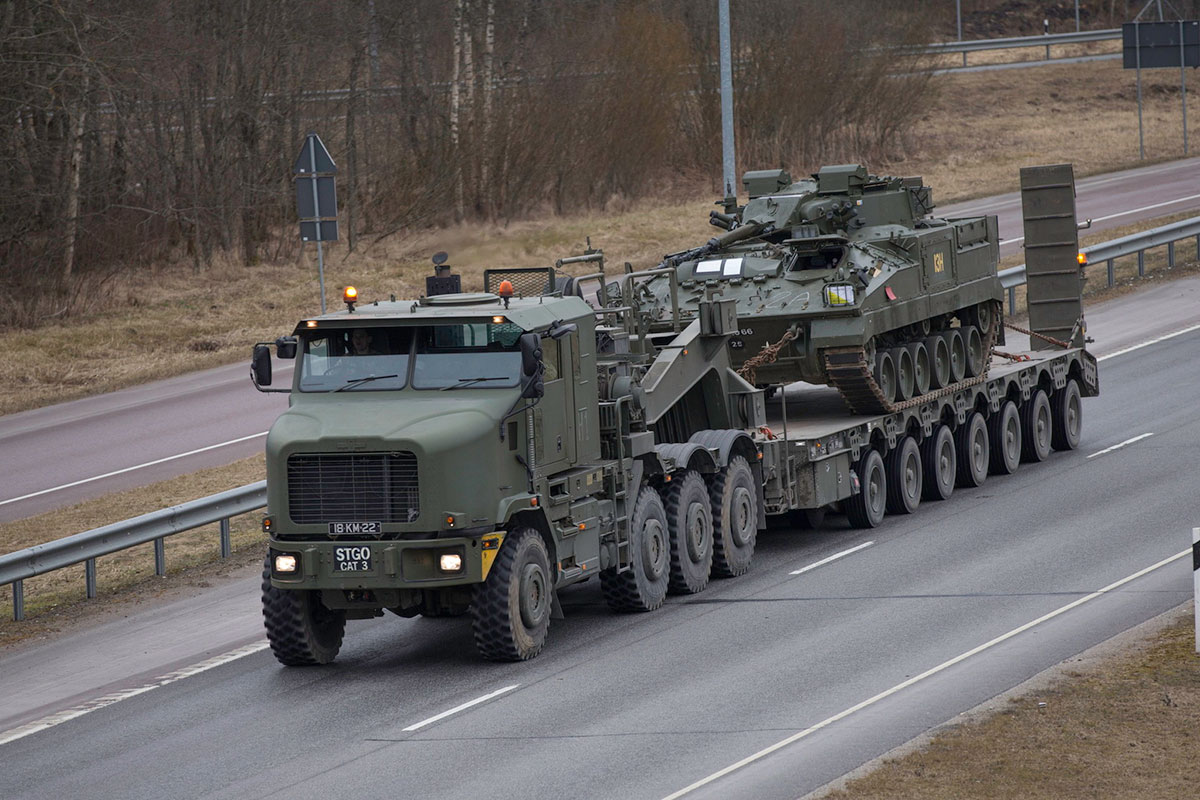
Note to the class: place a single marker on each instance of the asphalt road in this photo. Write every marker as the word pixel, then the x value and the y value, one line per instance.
pixel 830 667
pixel 68 453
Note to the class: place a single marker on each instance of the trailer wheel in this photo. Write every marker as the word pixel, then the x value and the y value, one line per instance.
pixel 735 518
pixel 939 462
pixel 690 523
pixel 1067 408
pixel 643 586
pixel 1004 440
pixel 300 629
pixel 904 477
pixel 971 444
pixel 1037 428
pixel 511 611
pixel 866 509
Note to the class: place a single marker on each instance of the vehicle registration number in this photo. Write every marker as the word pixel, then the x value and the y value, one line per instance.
pixel 350 528
pixel 356 558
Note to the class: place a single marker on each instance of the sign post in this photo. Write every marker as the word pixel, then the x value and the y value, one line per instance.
pixel 316 200
pixel 1157 45
pixel 1196 581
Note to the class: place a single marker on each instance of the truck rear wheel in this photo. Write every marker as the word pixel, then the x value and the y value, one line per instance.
pixel 904 477
pixel 643 586
pixel 971 444
pixel 1004 440
pixel 511 612
pixel 690 522
pixel 1036 428
pixel 866 509
pixel 735 518
pixel 300 629
pixel 939 461
pixel 1067 408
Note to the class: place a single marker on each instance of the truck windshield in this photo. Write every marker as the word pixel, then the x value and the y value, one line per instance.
pixel 468 354
pixel 356 359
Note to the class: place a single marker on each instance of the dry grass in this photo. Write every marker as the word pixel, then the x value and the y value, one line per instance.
pixel 973 140
pixel 56 596
pixel 1124 727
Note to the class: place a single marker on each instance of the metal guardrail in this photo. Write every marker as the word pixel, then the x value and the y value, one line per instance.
pixel 1133 244
pixel 1045 40
pixel 153 527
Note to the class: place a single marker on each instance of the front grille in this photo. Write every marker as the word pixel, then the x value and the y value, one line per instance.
pixel 363 487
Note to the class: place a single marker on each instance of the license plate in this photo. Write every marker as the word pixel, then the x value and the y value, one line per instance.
pixel 356 558
pixel 354 528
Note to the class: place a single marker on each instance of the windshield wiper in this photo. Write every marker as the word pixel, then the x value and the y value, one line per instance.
pixel 462 382
pixel 359 381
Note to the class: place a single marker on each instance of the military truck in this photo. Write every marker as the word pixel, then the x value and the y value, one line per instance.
pixel 482 452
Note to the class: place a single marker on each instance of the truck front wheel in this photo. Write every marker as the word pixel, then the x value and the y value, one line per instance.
pixel 511 612
pixel 300 629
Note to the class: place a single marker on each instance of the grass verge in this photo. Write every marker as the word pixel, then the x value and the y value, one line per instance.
pixel 1126 725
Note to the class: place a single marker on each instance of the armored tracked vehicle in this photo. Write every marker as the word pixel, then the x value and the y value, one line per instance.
pixel 846 279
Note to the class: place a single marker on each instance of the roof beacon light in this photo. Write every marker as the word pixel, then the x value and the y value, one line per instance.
pixel 505 290
pixel 350 297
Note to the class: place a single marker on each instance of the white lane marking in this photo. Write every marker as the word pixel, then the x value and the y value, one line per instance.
pixel 60 717
pixel 1121 214
pixel 1162 338
pixel 467 705
pixel 926 674
pixel 1119 446
pixel 833 557
pixel 131 469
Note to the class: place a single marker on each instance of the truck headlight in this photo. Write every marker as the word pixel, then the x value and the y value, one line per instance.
pixel 839 294
pixel 450 562
pixel 285 562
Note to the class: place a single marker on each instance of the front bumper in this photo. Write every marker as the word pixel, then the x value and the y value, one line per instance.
pixel 397 564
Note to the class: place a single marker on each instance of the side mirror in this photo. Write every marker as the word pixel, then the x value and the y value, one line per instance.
pixel 531 354
pixel 285 347
pixel 532 385
pixel 260 364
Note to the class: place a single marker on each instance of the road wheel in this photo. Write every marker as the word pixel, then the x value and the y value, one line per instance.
pixel 904 477
pixel 866 509
pixel 511 612
pixel 734 500
pixel 1037 428
pixel 976 358
pixel 300 629
pixel 920 357
pixel 885 373
pixel 1067 408
pixel 690 523
pixel 1004 440
pixel 643 586
pixel 939 464
pixel 905 377
pixel 971 446
pixel 957 347
pixel 939 361
pixel 983 316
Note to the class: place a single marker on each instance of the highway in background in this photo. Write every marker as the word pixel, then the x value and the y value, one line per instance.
pixel 853 641
pixel 64 454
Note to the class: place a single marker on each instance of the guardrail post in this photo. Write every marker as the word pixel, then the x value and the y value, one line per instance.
pixel 225 548
pixel 89 577
pixel 18 600
pixel 1170 254
pixel 1141 263
pixel 1112 274
pixel 160 557
pixel 1196 580
pixel 1012 301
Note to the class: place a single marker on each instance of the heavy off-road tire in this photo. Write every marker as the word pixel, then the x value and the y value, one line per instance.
pixel 511 612
pixel 300 629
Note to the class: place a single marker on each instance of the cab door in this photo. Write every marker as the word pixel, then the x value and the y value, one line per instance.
pixel 553 416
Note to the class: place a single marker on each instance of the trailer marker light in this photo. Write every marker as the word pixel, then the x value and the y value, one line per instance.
pixel 1082 259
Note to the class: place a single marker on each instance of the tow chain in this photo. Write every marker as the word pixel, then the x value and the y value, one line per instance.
pixel 767 355
pixel 1042 336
